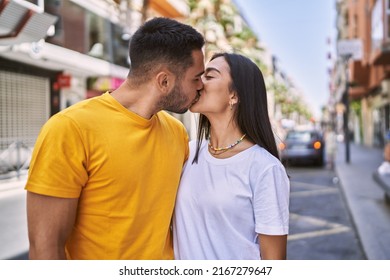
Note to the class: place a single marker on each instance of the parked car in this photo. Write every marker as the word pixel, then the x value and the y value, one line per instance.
pixel 303 145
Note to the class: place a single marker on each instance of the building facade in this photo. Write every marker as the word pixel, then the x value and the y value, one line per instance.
pixel 368 76
pixel 55 53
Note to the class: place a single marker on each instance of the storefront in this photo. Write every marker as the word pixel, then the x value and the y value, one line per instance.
pixel 27 99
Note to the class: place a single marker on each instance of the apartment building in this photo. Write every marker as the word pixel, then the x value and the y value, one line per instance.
pixel 369 76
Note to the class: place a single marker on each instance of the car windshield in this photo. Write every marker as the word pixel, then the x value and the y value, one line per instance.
pixel 300 135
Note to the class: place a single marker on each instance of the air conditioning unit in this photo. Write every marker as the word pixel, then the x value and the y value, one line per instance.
pixel 22 21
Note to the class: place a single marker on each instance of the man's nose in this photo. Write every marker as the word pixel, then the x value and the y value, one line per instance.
pixel 200 84
pixel 199 90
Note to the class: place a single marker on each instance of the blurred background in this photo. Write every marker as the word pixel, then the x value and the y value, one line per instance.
pixel 326 65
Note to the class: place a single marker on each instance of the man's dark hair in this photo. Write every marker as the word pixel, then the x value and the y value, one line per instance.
pixel 162 41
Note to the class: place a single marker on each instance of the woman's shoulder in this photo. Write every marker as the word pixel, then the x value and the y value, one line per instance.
pixel 263 159
pixel 193 146
pixel 264 154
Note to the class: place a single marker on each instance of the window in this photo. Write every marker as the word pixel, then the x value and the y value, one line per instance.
pixel 377 31
pixel 98 43
pixel 387 22
pixel 355 26
pixel 120 46
pixel 84 31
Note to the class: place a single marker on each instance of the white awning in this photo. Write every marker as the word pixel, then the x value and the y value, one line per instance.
pixel 53 57
pixel 20 22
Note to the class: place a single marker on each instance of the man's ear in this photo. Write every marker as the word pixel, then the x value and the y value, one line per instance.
pixel 165 81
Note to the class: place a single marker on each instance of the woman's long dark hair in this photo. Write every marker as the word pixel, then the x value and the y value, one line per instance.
pixel 252 110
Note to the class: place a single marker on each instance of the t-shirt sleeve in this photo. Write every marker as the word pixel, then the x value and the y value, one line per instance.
pixel 58 165
pixel 271 201
pixel 187 146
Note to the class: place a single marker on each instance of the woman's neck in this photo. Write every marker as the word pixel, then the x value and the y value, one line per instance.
pixel 226 138
pixel 224 133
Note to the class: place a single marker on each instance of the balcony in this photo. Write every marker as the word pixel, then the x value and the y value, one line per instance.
pixel 357 92
pixel 381 54
pixel 172 8
pixel 359 80
pixel 359 73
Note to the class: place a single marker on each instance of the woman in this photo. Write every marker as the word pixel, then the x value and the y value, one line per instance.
pixel 233 197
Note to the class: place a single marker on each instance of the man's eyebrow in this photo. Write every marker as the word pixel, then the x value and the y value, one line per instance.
pixel 209 69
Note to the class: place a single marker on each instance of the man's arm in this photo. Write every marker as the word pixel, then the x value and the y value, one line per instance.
pixel 50 222
pixel 273 247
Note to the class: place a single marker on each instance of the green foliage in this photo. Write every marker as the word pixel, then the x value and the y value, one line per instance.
pixel 223 13
pixel 193 4
pixel 246 34
pixel 356 108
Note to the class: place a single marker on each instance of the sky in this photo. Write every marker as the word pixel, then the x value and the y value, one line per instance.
pixel 297 32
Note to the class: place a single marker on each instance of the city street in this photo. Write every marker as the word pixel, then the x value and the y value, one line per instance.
pixel 320 225
pixel 324 65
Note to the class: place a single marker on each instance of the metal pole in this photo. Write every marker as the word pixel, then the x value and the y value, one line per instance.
pixel 18 159
pixel 346 112
pixel 346 128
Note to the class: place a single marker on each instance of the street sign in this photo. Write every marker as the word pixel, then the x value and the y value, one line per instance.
pixel 352 48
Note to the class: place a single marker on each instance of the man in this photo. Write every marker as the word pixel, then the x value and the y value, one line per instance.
pixel 104 174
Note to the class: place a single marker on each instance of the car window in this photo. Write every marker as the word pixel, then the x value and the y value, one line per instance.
pixel 299 135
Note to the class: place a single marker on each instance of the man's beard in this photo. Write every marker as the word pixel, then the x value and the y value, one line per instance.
pixel 175 101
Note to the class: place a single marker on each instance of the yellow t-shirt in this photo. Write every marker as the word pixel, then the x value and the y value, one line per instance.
pixel 124 169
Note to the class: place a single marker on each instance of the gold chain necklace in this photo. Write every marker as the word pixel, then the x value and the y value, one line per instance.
pixel 220 150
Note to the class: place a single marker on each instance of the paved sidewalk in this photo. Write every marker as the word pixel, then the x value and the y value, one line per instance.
pixel 365 198
pixel 12 186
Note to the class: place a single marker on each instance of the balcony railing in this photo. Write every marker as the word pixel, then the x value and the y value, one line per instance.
pixel 14 160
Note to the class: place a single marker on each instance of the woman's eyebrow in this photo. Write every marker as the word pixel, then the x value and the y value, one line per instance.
pixel 209 69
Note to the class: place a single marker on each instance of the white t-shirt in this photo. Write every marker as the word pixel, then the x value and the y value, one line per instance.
pixel 222 204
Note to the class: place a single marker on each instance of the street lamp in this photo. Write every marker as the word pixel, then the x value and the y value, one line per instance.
pixel 348 49
pixel 345 100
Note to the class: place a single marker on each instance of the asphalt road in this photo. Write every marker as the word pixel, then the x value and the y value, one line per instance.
pixel 320 224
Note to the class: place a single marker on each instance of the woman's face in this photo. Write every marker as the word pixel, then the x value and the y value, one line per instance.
pixel 215 96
